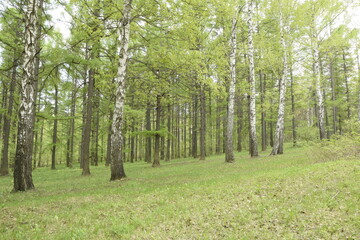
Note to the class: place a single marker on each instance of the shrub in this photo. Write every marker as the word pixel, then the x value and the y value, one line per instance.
pixel 337 148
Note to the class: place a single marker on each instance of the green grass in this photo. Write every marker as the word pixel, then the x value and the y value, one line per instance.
pixel 281 197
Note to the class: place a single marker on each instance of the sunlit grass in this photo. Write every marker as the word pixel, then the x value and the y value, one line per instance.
pixel 281 197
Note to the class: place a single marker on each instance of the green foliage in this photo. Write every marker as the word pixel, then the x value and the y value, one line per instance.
pixel 307 134
pixel 339 146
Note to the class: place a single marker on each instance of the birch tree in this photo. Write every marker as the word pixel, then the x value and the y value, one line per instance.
pixel 25 136
pixel 117 168
pixel 279 131
pixel 229 153
pixel 252 96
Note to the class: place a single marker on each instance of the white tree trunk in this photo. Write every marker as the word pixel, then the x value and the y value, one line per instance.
pixel 279 132
pixel 229 152
pixel 117 169
pixel 319 95
pixel 25 137
pixel 358 65
pixel 252 100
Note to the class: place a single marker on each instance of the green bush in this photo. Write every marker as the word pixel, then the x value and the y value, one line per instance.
pixel 337 148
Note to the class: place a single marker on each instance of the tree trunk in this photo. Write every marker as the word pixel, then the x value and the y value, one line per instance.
pixel 117 168
pixel 317 74
pixel 87 130
pixel 108 147
pixel 156 161
pixel 132 142
pixel 218 124
pixel 358 68
pixel 4 169
pixel 22 168
pixel 41 144
pixel 252 104
pixel 70 158
pixel 294 135
pixel 185 133
pixel 239 122
pixel 168 153
pixel 148 138
pixel 333 95
pixel 229 152
pixel 202 123
pixel 263 113
pixel 54 140
pixel 279 131
pixel 194 127
pixel 95 130
pixel 346 86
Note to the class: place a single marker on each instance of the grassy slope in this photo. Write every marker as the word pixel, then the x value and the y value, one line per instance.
pixel 282 197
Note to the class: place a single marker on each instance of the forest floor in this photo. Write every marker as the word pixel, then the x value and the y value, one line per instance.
pixel 291 196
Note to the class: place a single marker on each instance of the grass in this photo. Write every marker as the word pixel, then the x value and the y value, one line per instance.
pixel 278 197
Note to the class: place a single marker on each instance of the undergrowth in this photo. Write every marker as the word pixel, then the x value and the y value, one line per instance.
pixel 270 197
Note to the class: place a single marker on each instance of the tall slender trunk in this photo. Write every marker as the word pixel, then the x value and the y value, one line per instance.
pixel 239 122
pixel 333 95
pixel 210 124
pixel 294 134
pixel 70 157
pixel 41 144
pixel 229 152
pixel 4 168
pixel 195 127
pixel 23 156
pixel 95 130
pixel 263 112
pixel 185 133
pixel 156 161
pixel 358 68
pixel 87 130
pixel 54 140
pixel 148 138
pixel 202 123
pixel 117 168
pixel 347 91
pixel 317 75
pixel 279 131
pixel 167 158
pixel 108 147
pixel 83 126
pixel 252 97
pixel 218 122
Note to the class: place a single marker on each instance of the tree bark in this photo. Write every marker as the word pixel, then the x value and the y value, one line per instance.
pixel 294 134
pixel 87 130
pixel 4 169
pixel 347 91
pixel 252 97
pixel 168 153
pixel 23 156
pixel 108 147
pixel 218 130
pixel 239 122
pixel 279 131
pixel 263 113
pixel 117 168
pixel 317 74
pixel 156 161
pixel 70 157
pixel 195 127
pixel 229 152
pixel 202 123
pixel 55 126
pixel 333 95
pixel 148 138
